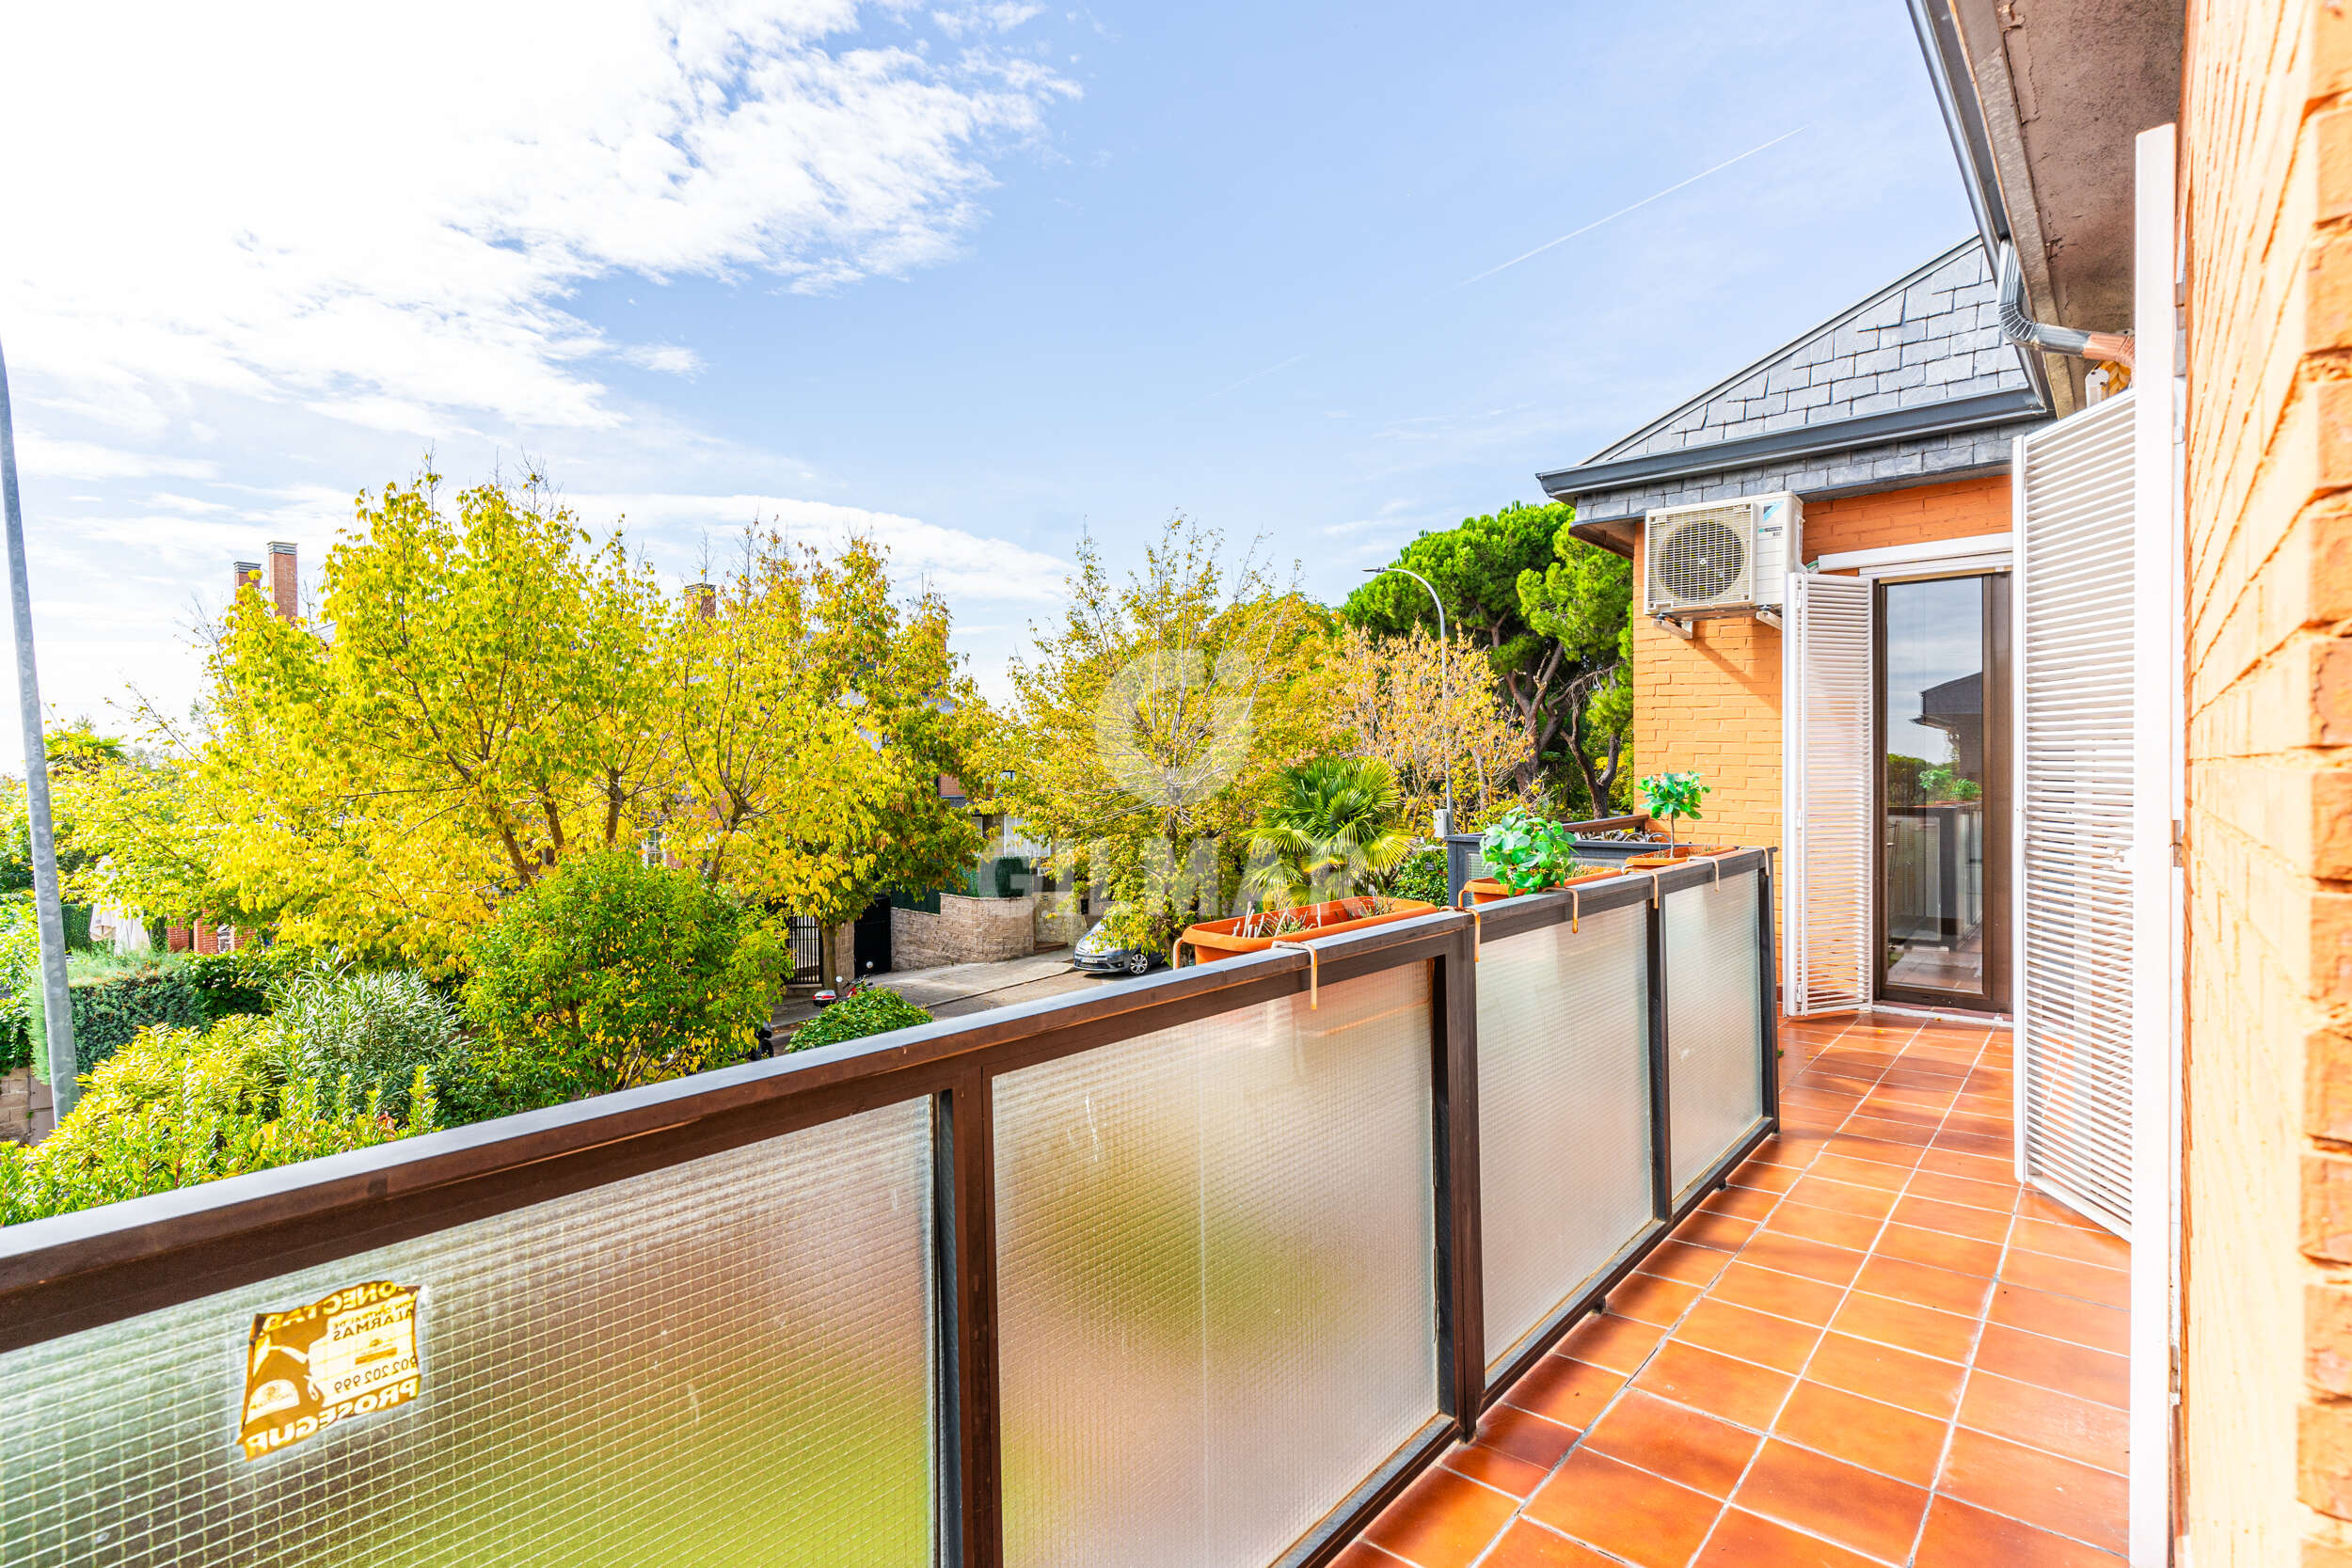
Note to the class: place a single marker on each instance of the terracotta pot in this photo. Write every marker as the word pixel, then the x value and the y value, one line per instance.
pixel 1212 940
pixel 1486 890
pixel 1663 859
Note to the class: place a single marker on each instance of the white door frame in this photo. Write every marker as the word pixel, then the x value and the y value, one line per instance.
pixel 2160 734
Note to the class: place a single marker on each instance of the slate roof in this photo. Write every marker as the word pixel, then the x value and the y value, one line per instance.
pixel 1913 384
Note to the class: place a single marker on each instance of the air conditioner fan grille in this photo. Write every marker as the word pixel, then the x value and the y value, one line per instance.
pixel 1701 557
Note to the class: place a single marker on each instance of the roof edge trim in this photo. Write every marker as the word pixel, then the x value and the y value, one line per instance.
pixel 1934 419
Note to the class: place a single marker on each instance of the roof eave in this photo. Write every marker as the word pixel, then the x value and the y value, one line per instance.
pixel 1933 419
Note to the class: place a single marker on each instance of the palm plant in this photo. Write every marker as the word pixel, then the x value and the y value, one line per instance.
pixel 1326 824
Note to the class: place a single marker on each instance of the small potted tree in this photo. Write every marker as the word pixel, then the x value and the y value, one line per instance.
pixel 1670 797
pixel 1528 854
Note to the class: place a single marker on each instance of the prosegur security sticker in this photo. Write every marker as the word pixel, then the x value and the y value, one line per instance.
pixel 350 1353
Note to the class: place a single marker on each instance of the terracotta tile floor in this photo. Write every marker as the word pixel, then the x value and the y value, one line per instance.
pixel 1873 1347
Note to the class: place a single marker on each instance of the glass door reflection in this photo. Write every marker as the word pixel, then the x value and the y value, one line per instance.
pixel 1940 788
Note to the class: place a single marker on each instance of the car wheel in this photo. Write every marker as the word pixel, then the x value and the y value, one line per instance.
pixel 1139 963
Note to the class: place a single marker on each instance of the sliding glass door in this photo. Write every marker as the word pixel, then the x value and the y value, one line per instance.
pixel 1943 791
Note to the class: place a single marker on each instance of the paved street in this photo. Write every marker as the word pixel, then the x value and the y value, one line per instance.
pixel 955 989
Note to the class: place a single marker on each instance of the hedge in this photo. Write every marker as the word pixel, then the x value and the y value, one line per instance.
pixel 193 990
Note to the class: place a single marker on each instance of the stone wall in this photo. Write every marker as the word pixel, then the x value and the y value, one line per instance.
pixel 1058 922
pixel 965 930
pixel 2267 1362
pixel 26 1110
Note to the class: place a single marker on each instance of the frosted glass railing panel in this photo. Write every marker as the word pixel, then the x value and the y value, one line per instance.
pixel 1715 1073
pixel 727 1361
pixel 1214 1272
pixel 1563 1142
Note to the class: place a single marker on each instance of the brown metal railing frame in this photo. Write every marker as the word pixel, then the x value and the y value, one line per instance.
pixel 81 1271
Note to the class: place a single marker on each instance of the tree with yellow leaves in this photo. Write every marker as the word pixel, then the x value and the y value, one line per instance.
pixel 491 691
pixel 1397 699
pixel 475 706
pixel 813 719
pixel 1152 721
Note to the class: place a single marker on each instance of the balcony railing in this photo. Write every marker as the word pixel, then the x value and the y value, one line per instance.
pixel 1203 1268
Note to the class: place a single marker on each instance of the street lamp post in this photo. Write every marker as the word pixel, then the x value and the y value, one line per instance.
pixel 48 913
pixel 1445 689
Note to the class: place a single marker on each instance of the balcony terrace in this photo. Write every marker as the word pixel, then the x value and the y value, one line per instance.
pixel 1873 1347
pixel 1214 1268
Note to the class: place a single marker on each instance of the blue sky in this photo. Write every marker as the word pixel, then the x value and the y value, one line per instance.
pixel 970 278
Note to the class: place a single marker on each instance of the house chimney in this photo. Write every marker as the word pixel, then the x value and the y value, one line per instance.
pixel 281 579
pixel 706 596
pixel 244 575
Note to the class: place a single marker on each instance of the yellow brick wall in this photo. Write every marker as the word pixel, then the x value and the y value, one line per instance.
pixel 2266 1367
pixel 1713 704
pixel 1953 510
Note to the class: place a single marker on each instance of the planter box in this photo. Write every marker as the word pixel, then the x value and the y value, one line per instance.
pixel 1486 890
pixel 1662 858
pixel 1212 940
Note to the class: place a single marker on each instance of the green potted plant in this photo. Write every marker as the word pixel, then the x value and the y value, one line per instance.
pixel 1528 853
pixel 1329 826
pixel 1670 797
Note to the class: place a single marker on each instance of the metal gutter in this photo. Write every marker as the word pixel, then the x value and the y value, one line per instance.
pixel 2021 328
pixel 1959 101
pixel 1934 419
pixel 1964 118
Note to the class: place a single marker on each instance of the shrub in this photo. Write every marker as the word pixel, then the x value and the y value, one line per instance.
pixel 179 1106
pixel 1141 925
pixel 114 997
pixel 1421 874
pixel 117 998
pixel 867 1012
pixel 375 1028
pixel 609 973
pixel 228 984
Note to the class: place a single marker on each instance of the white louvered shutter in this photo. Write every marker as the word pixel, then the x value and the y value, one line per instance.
pixel 1827 644
pixel 2076 792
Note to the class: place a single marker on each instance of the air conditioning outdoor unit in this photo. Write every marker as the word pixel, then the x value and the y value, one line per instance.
pixel 1721 557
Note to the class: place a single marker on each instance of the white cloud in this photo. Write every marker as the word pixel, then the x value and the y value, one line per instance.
pixel 669 358
pixel 44 457
pixel 193 505
pixel 1393 514
pixel 381 214
pixel 960 565
pixel 1002 16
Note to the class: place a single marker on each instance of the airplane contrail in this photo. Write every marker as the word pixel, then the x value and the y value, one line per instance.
pixel 1621 211
pixel 1254 375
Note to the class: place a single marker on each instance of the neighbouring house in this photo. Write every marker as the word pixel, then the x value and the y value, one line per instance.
pixel 2048 715
pixel 994 914
pixel 1893 425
